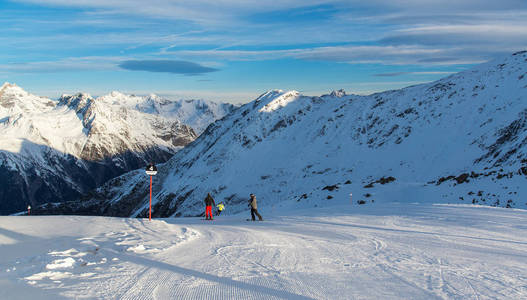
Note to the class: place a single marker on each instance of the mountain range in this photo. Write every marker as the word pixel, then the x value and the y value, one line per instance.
pixel 460 139
pixel 53 151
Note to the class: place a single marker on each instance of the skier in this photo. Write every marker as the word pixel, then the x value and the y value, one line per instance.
pixel 209 201
pixel 220 208
pixel 254 208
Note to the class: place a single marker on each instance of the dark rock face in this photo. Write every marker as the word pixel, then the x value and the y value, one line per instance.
pixel 509 140
pixel 13 191
pixel 34 185
pixel 64 178
pixel 181 135
pixel 109 142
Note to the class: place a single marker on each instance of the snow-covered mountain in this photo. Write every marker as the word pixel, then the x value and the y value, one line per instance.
pixel 459 140
pixel 52 151
pixel 198 114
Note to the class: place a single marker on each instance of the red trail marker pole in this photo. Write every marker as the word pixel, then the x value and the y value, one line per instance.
pixel 150 206
pixel 150 170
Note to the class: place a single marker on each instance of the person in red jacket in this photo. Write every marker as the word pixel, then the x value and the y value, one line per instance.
pixel 209 202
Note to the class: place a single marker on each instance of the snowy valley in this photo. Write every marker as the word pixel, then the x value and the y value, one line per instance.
pixel 55 150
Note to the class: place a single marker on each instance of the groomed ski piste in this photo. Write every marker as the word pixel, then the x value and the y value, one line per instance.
pixel 379 251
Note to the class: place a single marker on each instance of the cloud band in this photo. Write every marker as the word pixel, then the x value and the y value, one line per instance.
pixel 166 66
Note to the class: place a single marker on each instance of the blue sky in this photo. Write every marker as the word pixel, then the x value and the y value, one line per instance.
pixel 233 50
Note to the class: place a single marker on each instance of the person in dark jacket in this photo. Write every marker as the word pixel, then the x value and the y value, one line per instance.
pixel 254 208
pixel 209 202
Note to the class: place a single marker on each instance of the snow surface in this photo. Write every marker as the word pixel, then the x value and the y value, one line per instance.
pixel 389 251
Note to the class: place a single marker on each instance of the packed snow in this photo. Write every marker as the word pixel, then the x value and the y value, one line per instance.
pixel 389 251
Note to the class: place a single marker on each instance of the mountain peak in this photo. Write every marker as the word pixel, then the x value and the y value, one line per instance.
pixel 121 99
pixel 8 85
pixel 154 100
pixel 4 86
pixel 271 94
pixel 77 102
pixel 76 95
pixel 280 100
pixel 116 94
pixel 16 99
pixel 153 97
pixel 338 94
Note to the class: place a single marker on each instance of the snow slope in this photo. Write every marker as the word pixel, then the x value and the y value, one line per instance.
pixel 391 251
pixel 457 140
pixel 52 151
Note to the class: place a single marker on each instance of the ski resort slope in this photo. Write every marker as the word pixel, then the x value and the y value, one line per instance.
pixel 394 251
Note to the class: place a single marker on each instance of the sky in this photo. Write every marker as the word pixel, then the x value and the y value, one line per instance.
pixel 235 50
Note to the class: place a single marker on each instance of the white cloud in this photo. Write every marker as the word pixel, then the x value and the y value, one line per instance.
pixel 391 32
pixel 63 65
pixel 395 74
pixel 508 29
pixel 206 12
pixel 505 34
pixel 394 55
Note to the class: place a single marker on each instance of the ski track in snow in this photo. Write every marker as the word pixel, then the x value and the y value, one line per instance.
pixel 426 252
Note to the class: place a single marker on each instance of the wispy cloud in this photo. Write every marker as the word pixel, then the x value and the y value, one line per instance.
pixel 204 12
pixel 389 55
pixel 166 66
pixel 475 28
pixel 395 74
pixel 63 65
pixel 333 36
pixel 461 35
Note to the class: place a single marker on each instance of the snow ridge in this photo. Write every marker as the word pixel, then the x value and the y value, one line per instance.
pixel 280 101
